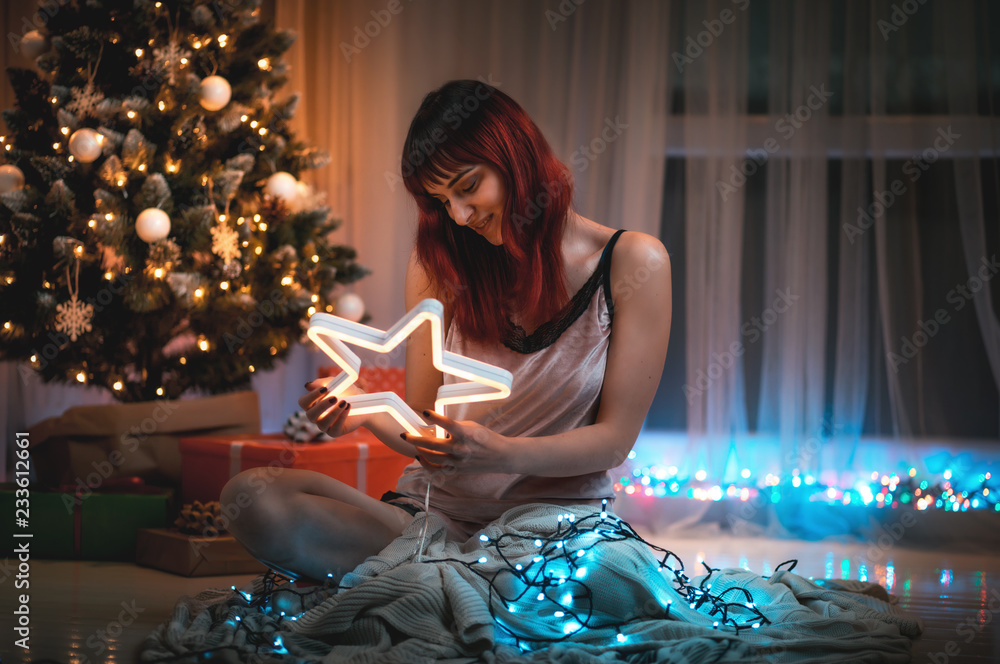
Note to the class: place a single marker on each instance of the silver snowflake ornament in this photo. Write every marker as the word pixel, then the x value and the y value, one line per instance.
pixel 73 317
pixel 168 60
pixel 225 242
pixel 85 101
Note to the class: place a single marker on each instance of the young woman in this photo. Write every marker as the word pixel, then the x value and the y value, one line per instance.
pixel 577 312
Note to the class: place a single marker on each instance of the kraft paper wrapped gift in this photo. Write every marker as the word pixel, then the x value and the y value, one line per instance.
pixel 358 459
pixel 88 444
pixel 192 555
pixel 90 526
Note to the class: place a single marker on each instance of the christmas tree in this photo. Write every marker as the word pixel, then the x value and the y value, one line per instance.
pixel 154 235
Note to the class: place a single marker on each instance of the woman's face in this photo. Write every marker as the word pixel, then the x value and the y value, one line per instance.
pixel 474 196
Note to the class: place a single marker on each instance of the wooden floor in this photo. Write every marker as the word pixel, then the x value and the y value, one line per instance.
pixel 87 612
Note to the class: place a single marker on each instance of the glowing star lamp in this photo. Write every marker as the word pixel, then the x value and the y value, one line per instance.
pixel 484 382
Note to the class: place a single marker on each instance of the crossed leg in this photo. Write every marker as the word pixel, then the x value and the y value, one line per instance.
pixel 307 525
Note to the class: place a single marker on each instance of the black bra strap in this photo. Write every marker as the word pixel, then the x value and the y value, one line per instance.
pixel 606 267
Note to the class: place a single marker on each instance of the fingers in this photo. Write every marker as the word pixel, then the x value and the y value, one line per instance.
pixel 332 420
pixel 317 389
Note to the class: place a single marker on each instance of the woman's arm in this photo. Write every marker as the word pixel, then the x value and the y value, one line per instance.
pixel 641 291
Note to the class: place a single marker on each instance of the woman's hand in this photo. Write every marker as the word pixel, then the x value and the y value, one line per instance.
pixel 469 447
pixel 330 414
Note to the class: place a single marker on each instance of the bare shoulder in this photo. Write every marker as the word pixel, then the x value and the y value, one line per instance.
pixel 635 250
pixel 419 285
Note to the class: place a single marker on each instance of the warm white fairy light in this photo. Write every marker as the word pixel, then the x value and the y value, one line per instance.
pixel 109 216
pixel 264 64
pixel 34 358
pixel 262 225
pixel 258 249
pixel 203 344
pixel 251 368
pixel 286 281
pixel 162 106
pixel 138 52
pixel 314 298
pixel 198 292
pixel 64 131
pixel 159 391
pixel 81 377
pixel 254 124
pixel 131 115
pixel 224 285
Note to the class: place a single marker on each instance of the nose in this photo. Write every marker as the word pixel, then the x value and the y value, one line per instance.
pixel 462 214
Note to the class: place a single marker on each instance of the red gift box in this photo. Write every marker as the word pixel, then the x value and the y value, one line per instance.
pixel 375 379
pixel 358 459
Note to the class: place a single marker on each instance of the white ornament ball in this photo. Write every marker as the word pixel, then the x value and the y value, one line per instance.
pixel 303 194
pixel 152 224
pixel 215 93
pixel 11 178
pixel 351 307
pixel 284 186
pixel 34 43
pixel 85 144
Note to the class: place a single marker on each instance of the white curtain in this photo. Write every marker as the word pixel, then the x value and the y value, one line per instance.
pixel 715 86
pixel 860 291
pixel 594 78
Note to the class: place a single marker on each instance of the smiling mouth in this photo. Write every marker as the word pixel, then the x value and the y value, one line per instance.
pixel 482 225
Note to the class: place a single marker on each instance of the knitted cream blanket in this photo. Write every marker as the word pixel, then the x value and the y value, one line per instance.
pixel 542 584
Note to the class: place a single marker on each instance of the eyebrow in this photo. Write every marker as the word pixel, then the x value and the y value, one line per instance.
pixel 458 176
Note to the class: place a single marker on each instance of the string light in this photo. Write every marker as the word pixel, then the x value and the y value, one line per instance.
pixel 880 491
pixel 117 386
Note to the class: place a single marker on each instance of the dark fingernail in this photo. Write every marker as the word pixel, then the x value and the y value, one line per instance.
pixel 419 459
pixel 427 413
pixel 403 436
pixel 322 389
pixel 343 404
pixel 307 385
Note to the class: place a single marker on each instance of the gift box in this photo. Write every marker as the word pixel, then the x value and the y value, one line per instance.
pixel 193 555
pixel 358 459
pixel 133 439
pixel 89 526
pixel 375 379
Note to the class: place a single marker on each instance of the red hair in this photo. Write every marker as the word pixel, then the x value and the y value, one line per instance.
pixel 469 122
